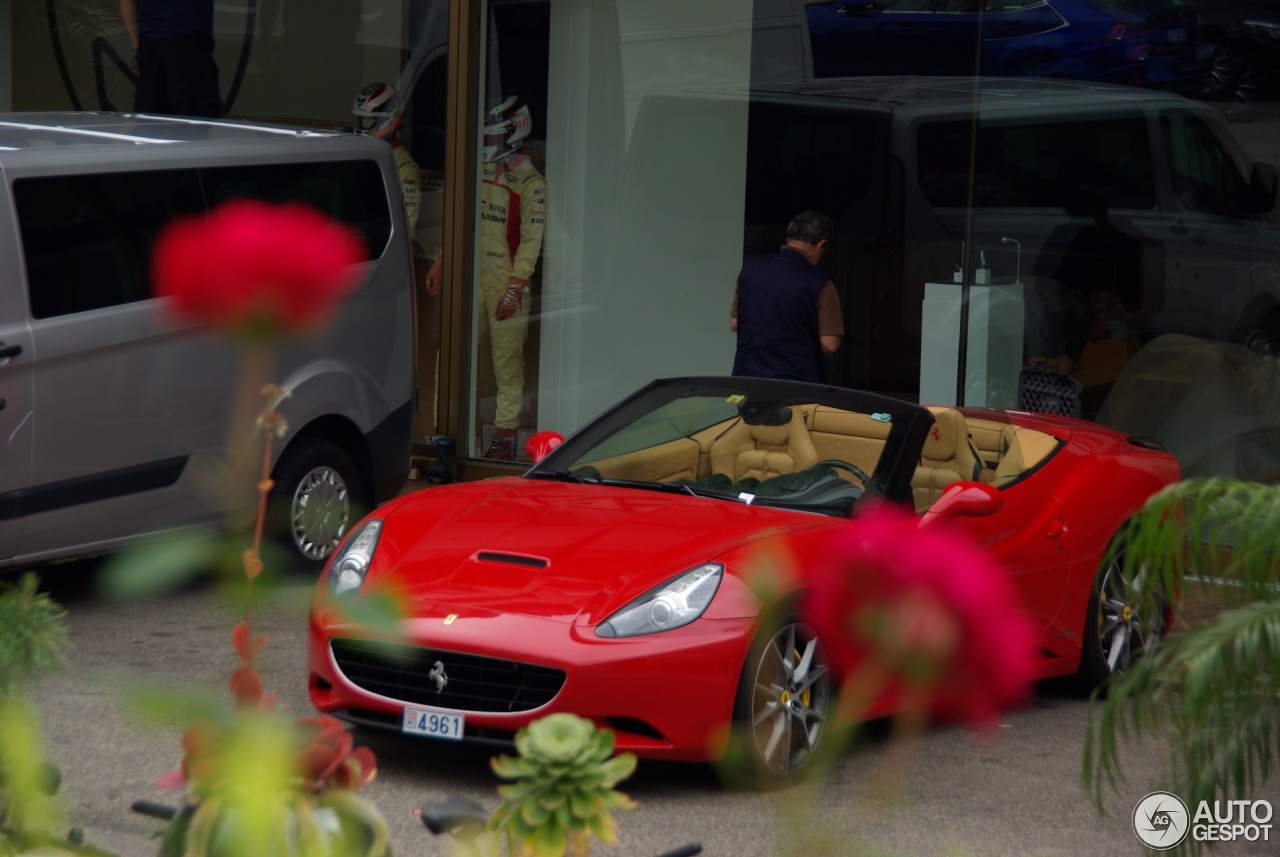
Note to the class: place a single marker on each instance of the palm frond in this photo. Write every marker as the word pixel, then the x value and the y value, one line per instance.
pixel 1212 692
pixel 1224 533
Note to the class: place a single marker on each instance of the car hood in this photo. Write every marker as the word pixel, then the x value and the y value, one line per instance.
pixel 569 552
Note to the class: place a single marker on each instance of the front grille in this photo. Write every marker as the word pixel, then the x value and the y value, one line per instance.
pixel 474 683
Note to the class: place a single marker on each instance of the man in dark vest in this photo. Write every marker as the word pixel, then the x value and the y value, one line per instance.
pixel 173 40
pixel 786 311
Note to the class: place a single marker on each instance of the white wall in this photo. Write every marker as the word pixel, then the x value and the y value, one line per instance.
pixel 644 236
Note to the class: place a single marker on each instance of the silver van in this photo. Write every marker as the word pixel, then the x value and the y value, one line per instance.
pixel 116 422
pixel 914 169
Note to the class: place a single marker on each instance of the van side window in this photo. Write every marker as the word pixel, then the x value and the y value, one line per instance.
pixel 1035 164
pixel 1205 176
pixel 87 239
pixel 351 192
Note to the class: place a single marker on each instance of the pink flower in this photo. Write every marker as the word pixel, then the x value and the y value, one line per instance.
pixel 925 615
pixel 255 267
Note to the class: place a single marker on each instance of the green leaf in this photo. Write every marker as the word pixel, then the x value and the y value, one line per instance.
pixel 534 812
pixel 618 769
pixel 550 840
pixel 551 801
pixel 158 567
pixel 585 804
pixel 604 827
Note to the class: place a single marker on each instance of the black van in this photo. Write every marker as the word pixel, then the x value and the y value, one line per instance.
pixel 924 176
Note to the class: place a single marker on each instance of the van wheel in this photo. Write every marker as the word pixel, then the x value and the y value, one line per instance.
pixel 314 501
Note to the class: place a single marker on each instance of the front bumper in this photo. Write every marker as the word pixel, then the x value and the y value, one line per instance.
pixel 668 695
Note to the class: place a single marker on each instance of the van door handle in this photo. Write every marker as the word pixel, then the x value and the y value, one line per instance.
pixel 9 350
pixel 1198 238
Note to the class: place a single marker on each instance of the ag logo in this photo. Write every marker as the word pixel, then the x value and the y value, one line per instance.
pixel 1161 820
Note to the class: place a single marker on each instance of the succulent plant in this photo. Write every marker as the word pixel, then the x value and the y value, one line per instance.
pixel 560 788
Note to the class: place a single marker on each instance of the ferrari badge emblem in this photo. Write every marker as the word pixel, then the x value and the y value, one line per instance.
pixel 448 620
pixel 437 675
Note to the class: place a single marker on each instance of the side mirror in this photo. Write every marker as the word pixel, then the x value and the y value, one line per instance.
pixel 537 447
pixel 967 499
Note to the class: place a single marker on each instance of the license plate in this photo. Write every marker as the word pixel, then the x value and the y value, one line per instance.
pixel 1178 36
pixel 434 723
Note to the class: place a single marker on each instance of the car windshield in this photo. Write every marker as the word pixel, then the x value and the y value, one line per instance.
pixel 806 447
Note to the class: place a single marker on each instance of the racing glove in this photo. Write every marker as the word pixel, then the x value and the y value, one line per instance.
pixel 511 299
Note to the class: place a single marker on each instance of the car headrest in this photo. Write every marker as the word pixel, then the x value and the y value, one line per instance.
pixel 765 414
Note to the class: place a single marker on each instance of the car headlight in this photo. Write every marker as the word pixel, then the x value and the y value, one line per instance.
pixel 677 602
pixel 351 563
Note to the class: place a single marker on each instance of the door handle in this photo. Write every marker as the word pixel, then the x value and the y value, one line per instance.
pixel 1198 238
pixel 9 350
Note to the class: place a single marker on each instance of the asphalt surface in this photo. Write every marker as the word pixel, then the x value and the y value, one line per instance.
pixel 1016 791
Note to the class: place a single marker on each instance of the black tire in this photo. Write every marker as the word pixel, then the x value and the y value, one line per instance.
pixel 1223 73
pixel 1115 634
pixel 316 498
pixel 785 696
pixel 1248 83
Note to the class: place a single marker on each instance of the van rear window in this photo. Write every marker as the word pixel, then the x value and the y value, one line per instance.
pixel 86 239
pixel 1035 164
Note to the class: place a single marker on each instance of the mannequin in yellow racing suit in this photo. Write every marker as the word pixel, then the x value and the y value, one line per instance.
pixel 513 205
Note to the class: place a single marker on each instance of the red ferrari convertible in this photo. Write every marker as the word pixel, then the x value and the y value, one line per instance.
pixel 610 579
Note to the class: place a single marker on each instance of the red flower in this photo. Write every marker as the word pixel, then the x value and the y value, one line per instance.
pixel 925 612
pixel 256 268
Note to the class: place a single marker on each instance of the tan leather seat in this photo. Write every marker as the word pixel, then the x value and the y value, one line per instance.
pixel 1011 464
pixel 764 444
pixel 948 456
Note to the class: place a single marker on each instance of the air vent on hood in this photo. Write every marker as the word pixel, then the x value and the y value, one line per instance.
pixel 513 559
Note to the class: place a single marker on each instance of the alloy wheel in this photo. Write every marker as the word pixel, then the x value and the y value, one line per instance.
pixel 790 697
pixel 1124 634
pixel 320 513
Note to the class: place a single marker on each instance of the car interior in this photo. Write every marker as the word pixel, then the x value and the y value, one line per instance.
pixel 819 456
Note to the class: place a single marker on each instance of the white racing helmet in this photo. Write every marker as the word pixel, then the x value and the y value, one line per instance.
pixel 507 125
pixel 378 110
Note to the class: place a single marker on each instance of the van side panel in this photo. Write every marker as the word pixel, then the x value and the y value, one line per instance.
pixel 140 423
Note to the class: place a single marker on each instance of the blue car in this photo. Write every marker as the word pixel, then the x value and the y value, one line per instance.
pixel 1149 43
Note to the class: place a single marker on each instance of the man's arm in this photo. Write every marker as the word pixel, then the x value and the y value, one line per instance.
pixel 830 319
pixel 129 14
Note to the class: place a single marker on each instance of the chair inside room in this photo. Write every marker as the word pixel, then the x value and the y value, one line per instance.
pixel 948 456
pixel 768 441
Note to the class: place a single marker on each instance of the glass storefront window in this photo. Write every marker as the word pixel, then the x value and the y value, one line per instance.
pixel 1085 226
pixel 1124 235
